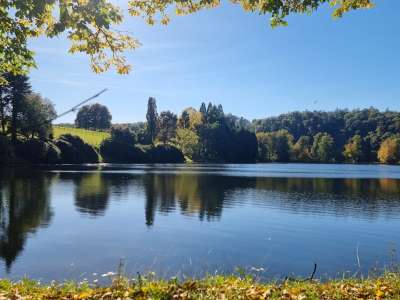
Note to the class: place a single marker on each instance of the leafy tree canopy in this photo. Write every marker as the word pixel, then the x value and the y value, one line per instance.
pixel 89 24
pixel 389 151
pixel 93 116
pixel 36 113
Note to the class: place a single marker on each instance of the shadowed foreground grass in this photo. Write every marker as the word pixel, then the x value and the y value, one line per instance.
pixel 217 287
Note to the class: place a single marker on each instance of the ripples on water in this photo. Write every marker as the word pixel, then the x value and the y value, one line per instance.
pixel 197 219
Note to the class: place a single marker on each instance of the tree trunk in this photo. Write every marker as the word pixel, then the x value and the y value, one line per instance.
pixel 13 126
pixel 3 120
pixel 14 114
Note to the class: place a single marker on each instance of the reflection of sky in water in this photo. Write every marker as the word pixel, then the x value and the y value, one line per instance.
pixel 178 220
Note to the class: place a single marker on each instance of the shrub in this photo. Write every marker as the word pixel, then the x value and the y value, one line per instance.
pixel 114 151
pixel 53 155
pixel 165 154
pixel 37 151
pixel 75 151
pixel 32 150
pixel 68 153
pixel 123 135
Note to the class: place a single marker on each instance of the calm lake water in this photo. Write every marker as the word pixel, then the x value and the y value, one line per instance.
pixel 273 220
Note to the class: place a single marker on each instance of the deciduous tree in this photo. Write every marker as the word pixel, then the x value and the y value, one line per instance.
pixel 354 151
pixel 302 149
pixel 36 115
pixel 90 25
pixel 152 119
pixel 188 142
pixel 274 146
pixel 323 148
pixel 389 151
pixel 94 116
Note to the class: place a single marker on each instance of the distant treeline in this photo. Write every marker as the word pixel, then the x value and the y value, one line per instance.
pixel 355 136
pixel 210 135
pixel 206 134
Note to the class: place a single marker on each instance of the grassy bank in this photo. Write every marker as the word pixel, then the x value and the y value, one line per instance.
pixel 93 138
pixel 385 287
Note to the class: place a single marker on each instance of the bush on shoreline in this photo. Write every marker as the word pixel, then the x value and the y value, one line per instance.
pixel 75 151
pixel 37 151
pixel 121 147
pixel 116 152
pixel 216 287
pixel 165 154
pixel 67 149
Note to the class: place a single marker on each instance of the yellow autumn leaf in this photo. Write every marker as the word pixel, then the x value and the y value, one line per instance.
pixel 379 294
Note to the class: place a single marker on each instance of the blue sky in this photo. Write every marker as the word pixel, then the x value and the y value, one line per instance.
pixel 235 58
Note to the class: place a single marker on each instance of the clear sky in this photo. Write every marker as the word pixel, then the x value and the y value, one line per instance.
pixel 234 58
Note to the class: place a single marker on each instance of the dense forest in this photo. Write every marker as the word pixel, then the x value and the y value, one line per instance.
pixel 206 134
pixel 356 136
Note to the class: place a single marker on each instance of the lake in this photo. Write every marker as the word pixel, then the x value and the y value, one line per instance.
pixel 271 220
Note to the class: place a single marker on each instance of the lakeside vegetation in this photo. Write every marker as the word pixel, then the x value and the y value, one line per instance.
pixel 204 134
pixel 214 287
pixel 207 134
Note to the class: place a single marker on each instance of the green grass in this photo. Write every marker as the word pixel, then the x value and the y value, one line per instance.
pixel 94 138
pixel 215 287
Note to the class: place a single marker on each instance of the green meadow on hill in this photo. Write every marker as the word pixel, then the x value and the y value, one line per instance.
pixel 91 137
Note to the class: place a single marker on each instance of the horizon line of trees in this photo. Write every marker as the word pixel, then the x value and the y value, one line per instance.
pixel 204 135
pixel 352 136
pixel 207 134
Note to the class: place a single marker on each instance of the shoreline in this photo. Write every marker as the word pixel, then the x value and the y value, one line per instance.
pixel 386 286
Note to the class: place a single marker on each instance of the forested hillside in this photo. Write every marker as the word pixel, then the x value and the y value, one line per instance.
pixel 336 136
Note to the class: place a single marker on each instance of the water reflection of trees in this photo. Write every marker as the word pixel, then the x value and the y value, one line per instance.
pixel 363 198
pixel 25 207
pixel 192 193
pixel 206 195
pixel 25 197
pixel 92 190
pixel 91 193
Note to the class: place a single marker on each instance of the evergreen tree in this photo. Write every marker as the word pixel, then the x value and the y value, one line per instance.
pixel 203 109
pixel 167 126
pixel 203 112
pixel 18 88
pixel 184 120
